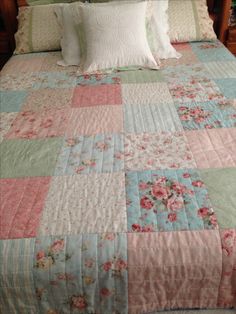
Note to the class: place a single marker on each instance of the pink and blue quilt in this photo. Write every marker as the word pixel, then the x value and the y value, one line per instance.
pixel 118 191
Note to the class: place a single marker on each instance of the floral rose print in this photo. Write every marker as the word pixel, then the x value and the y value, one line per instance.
pixel 57 246
pixel 165 200
pixel 104 292
pixel 116 265
pixel 228 241
pixel 210 45
pixel 172 217
pixel 98 79
pixel 208 115
pixel 47 258
pixel 197 114
pixel 163 194
pixel 78 302
pixel 195 90
pixel 146 203
pixel 89 154
pixel 208 215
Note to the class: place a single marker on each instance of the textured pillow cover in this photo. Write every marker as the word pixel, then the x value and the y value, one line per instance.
pixel 38 29
pixel 115 36
pixel 157 29
pixel 70 30
pixel 190 21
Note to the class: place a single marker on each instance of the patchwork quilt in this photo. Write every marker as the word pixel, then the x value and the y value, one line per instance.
pixel 118 191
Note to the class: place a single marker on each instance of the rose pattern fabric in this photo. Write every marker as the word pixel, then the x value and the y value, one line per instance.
pixel 168 200
pixel 101 255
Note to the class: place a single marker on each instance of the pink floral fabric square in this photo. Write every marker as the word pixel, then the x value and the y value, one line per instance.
pixel 227 289
pixel 86 96
pixel 22 202
pixel 42 124
pixel 90 121
pixel 220 144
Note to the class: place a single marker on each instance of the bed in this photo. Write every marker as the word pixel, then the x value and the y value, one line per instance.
pixel 121 199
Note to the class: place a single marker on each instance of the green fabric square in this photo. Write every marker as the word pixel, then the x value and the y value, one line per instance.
pixel 141 76
pixel 29 158
pixel 221 186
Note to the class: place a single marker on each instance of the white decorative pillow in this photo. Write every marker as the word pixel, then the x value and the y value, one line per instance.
pixel 157 31
pixel 116 36
pixel 190 21
pixel 70 44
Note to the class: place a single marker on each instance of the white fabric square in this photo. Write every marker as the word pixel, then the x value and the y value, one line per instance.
pixel 85 204
pixel 116 36
pixel 145 94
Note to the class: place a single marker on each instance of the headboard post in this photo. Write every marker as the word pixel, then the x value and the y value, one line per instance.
pixel 9 10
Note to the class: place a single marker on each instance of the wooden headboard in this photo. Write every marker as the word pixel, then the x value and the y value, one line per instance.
pixel 9 10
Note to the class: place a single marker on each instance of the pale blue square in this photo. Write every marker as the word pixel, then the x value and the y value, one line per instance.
pixel 216 51
pixel 227 87
pixel 12 101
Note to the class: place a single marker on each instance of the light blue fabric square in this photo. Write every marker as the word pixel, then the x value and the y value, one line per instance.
pixel 227 87
pixel 167 200
pixel 211 51
pixel 11 101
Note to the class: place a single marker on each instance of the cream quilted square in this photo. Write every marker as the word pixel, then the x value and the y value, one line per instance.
pixel 85 204
pixel 146 94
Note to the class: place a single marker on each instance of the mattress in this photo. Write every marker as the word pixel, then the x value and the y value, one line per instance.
pixel 118 190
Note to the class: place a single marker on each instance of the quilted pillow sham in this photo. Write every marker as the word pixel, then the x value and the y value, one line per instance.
pixel 38 29
pixel 157 28
pixel 23 3
pixel 115 36
pixel 190 21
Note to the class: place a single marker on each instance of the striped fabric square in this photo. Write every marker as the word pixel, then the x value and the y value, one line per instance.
pixel 221 147
pixel 150 118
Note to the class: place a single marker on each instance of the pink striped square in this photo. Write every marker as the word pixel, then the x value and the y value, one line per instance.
pixel 107 94
pixel 170 270
pixel 213 148
pixel 22 202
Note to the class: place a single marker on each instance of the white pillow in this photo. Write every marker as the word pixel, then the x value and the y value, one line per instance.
pixel 70 46
pixel 116 36
pixel 158 27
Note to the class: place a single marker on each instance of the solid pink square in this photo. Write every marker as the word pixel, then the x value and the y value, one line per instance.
pixel 213 148
pixel 170 270
pixel 107 94
pixel 22 202
pixel 95 120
